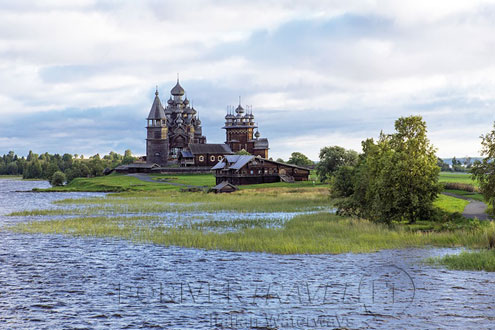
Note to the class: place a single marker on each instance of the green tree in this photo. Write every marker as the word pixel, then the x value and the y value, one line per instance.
pixel 33 169
pixel 58 179
pixel 484 171
pixel 397 177
pixel 12 168
pixel 128 159
pixel 299 159
pixel 280 160
pixel 331 158
pixel 242 152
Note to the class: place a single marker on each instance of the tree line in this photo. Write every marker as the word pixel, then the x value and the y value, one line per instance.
pixel 44 166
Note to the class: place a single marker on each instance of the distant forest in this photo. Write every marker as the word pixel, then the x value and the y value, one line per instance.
pixel 43 166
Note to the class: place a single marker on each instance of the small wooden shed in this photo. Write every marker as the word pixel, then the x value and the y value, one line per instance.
pixel 224 187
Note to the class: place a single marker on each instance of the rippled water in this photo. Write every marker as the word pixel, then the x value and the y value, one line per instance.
pixel 57 282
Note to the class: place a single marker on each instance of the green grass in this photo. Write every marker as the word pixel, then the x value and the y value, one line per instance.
pixel 450 204
pixel 467 260
pixel 188 179
pixel 310 234
pixel 11 177
pixel 119 183
pixel 456 177
pixel 111 183
pixel 251 200
pixel 467 194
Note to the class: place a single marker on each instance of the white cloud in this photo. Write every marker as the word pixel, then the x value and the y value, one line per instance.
pixel 358 64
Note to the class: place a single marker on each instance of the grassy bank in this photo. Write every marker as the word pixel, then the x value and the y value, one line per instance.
pixel 467 260
pixel 249 200
pixel 120 183
pixel 11 177
pixel 308 233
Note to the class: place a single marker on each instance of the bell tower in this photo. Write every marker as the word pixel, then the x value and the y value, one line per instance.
pixel 157 134
pixel 240 132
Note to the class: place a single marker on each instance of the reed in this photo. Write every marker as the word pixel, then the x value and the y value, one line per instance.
pixel 305 234
pixel 252 200
pixel 460 186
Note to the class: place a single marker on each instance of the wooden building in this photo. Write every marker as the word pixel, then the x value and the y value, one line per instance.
pixel 203 155
pixel 241 135
pixel 224 187
pixel 246 169
pixel 136 168
pixel 172 128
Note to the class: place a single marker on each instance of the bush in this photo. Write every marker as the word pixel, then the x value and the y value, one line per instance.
pixel 58 179
pixel 460 186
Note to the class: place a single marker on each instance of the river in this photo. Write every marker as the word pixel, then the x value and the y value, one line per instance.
pixel 59 282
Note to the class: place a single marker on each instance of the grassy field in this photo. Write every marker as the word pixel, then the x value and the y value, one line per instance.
pixel 120 183
pixel 457 177
pixel 450 204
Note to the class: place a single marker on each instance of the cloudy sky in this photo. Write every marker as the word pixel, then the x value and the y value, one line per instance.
pixel 79 76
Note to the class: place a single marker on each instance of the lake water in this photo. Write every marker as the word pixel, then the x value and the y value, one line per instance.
pixel 57 282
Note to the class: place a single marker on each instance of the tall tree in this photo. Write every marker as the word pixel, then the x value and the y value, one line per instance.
pixel 484 171
pixel 299 159
pixel 397 177
pixel 331 158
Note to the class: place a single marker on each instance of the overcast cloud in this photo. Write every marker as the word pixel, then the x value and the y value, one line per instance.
pixel 79 76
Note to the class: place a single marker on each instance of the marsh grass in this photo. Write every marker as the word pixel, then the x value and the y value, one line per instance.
pixel 304 234
pixel 467 260
pixel 246 201
pixel 481 259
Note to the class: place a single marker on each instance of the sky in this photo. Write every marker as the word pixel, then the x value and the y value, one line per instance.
pixel 79 76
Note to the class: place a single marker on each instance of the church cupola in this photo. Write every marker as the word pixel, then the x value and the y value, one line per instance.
pixel 241 131
pixel 157 117
pixel 177 90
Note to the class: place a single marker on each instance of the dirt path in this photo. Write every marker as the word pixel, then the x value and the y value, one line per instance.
pixel 475 209
pixel 146 177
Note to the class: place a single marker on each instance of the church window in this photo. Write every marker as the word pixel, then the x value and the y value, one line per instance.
pixel 220 157
pixel 201 158
pixel 212 158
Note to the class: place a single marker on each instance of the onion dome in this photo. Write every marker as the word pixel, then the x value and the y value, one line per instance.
pixel 157 111
pixel 177 90
pixel 198 121
pixel 170 101
pixel 239 109
pixel 257 134
pixel 186 101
